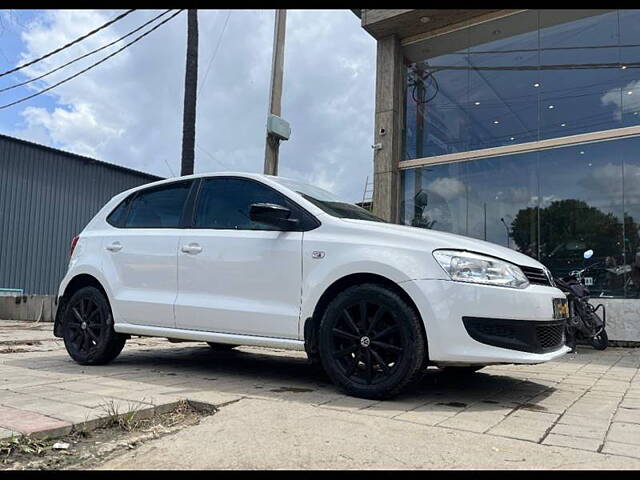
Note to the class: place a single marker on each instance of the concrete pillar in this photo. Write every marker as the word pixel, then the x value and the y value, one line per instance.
pixel 388 128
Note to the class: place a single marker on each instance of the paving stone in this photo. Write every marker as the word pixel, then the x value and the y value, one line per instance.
pixel 424 415
pixel 624 433
pixel 585 430
pixel 625 449
pixel 571 419
pixel 25 421
pixel 349 403
pixel 627 415
pixel 522 428
pixel 572 442
pixel 472 421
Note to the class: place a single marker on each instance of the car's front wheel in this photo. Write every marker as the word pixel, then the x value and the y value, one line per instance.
pixel 88 328
pixel 371 342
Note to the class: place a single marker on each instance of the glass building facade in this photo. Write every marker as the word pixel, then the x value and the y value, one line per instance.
pixel 525 131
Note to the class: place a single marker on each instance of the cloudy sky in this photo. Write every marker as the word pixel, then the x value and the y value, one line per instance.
pixel 128 110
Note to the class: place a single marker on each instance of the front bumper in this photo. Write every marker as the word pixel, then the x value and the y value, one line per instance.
pixel 470 324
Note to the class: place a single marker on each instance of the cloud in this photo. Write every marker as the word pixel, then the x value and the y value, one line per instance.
pixel 128 110
pixel 447 187
pixel 622 100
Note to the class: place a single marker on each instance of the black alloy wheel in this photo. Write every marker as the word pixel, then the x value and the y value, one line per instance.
pixel 371 342
pixel 88 328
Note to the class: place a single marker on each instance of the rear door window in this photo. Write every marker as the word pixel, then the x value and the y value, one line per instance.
pixel 159 207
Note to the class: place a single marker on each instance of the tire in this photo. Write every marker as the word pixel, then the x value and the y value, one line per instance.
pixel 87 328
pixel 221 346
pixel 600 341
pixel 461 371
pixel 351 345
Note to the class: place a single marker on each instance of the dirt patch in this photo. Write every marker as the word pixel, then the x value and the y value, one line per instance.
pixel 82 448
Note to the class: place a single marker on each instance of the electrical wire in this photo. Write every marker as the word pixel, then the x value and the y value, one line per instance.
pixel 93 65
pixel 215 52
pixel 79 39
pixel 85 55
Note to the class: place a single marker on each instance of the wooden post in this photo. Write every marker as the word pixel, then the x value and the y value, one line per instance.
pixel 190 88
pixel 275 93
pixel 388 129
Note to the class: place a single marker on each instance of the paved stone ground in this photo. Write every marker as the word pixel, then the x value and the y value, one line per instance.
pixel 585 402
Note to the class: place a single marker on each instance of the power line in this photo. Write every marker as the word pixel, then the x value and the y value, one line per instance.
pixel 79 39
pixel 215 52
pixel 91 66
pixel 85 55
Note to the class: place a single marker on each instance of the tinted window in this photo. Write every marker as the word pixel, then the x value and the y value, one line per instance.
pixel 118 216
pixel 159 207
pixel 224 204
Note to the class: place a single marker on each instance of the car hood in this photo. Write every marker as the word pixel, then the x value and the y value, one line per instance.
pixel 433 239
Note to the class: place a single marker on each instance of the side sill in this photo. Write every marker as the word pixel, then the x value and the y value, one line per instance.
pixel 201 336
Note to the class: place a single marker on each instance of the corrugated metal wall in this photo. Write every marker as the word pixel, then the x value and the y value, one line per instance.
pixel 46 197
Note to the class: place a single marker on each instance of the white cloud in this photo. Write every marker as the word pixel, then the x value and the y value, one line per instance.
pixel 128 110
pixel 447 187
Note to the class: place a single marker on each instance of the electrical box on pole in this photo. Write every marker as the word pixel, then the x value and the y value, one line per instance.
pixel 278 127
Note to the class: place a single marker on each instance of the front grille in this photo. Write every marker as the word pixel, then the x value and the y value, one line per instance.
pixel 550 336
pixel 522 335
pixel 536 276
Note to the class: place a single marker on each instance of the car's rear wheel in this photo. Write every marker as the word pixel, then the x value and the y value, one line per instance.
pixel 221 346
pixel 371 342
pixel 88 328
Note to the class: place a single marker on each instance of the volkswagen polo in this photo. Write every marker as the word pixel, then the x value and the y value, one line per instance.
pixel 244 259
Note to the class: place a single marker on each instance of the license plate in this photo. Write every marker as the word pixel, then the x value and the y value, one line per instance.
pixel 560 308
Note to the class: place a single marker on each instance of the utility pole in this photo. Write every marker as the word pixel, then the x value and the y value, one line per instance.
pixel 190 88
pixel 275 95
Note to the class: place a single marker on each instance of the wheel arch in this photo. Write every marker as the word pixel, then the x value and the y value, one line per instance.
pixel 312 323
pixel 76 283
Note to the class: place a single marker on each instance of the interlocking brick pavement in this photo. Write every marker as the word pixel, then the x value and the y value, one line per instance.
pixel 587 401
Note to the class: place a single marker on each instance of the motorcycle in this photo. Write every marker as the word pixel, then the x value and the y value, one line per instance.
pixel 583 323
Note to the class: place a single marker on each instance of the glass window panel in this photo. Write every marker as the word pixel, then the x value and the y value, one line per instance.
pixel 581 209
pixel 503 61
pixel 630 75
pixel 503 198
pixel 576 94
pixel 629 149
pixel 436 198
pixel 436 113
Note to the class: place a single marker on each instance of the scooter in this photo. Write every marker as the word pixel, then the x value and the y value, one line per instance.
pixel 583 323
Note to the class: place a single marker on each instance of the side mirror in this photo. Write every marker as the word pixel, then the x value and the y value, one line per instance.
pixel 273 215
pixel 588 254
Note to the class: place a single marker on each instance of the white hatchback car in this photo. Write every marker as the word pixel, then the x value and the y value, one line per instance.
pixel 244 259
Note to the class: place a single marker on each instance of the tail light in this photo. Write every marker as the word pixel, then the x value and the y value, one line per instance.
pixel 74 242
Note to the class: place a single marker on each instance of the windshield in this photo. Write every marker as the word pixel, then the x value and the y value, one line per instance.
pixel 327 201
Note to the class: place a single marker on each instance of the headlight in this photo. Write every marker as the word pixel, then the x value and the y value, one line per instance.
pixel 474 268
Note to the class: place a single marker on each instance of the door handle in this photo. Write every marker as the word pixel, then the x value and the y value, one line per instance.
pixel 114 247
pixel 192 248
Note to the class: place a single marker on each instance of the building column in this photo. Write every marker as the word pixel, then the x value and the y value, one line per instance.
pixel 388 129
